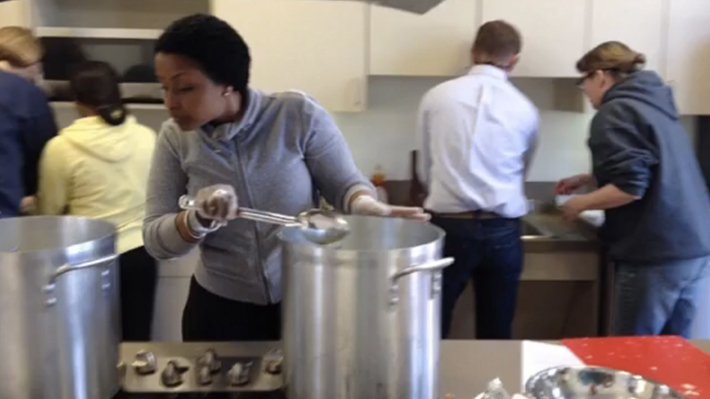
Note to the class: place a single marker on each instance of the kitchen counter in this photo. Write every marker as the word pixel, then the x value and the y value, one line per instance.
pixel 466 366
pixel 565 236
pixel 561 285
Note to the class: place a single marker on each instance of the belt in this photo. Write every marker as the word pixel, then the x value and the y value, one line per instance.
pixel 468 215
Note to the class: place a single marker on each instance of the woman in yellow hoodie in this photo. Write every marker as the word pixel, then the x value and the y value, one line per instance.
pixel 98 168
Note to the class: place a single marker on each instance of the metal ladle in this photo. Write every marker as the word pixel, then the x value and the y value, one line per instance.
pixel 319 226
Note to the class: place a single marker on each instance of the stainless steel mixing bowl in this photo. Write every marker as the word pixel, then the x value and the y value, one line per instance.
pixel 595 382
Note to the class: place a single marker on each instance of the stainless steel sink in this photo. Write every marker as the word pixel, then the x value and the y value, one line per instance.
pixel 531 231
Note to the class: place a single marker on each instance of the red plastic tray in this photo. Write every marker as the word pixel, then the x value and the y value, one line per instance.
pixel 667 359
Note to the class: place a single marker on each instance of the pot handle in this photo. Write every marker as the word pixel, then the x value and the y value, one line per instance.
pixel 69 267
pixel 66 268
pixel 434 266
pixel 426 267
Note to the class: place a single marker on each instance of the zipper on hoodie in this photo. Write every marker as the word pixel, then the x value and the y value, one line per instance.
pixel 237 162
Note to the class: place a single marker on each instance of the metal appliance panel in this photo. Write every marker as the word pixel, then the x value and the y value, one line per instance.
pixel 261 377
pixel 131 58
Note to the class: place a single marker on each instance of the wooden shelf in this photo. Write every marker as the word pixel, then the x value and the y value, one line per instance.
pixel 112 14
pixel 130 106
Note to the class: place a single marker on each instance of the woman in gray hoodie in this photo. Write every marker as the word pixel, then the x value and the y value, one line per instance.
pixel 228 144
pixel 651 187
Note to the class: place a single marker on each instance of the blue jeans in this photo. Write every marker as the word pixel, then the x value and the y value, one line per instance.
pixel 490 252
pixel 658 299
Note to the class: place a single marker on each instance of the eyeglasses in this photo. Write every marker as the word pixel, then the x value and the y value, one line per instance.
pixel 580 81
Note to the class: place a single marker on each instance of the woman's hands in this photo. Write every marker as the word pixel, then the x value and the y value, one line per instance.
pixel 28 205
pixel 219 204
pixel 571 184
pixel 368 206
pixel 572 208
pixel 216 203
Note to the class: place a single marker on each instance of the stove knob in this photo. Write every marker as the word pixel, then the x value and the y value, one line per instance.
pixel 210 360
pixel 273 362
pixel 239 374
pixel 204 377
pixel 121 368
pixel 172 375
pixel 144 363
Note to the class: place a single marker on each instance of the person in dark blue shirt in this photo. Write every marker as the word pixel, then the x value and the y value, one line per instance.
pixel 657 206
pixel 26 120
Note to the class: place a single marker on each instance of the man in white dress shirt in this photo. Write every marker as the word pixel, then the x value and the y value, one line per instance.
pixel 478 134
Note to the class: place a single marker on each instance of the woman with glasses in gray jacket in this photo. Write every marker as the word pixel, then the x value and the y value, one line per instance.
pixel 651 188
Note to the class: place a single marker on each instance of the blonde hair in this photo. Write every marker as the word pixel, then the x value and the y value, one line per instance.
pixel 613 57
pixel 19 47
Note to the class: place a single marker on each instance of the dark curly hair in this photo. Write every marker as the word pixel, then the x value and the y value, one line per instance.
pixel 214 45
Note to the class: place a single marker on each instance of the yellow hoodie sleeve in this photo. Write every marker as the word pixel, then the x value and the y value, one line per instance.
pixel 54 178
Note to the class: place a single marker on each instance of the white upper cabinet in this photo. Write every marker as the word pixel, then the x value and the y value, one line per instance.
pixel 318 47
pixel 437 43
pixel 688 62
pixel 14 13
pixel 553 33
pixel 640 24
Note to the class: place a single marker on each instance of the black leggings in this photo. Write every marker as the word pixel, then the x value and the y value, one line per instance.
pixel 210 317
pixel 139 276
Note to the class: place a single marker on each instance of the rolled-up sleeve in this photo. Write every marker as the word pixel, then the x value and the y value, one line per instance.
pixel 621 154
pixel 328 157
pixel 422 135
pixel 37 130
pixel 166 183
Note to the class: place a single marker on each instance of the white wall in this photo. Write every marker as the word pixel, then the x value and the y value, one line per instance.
pixel 385 133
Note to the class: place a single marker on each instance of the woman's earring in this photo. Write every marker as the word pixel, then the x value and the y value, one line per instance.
pixel 226 93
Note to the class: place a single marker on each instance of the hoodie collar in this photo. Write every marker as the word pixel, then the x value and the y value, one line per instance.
pixel 646 87
pixel 99 139
pixel 227 131
pixel 92 121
